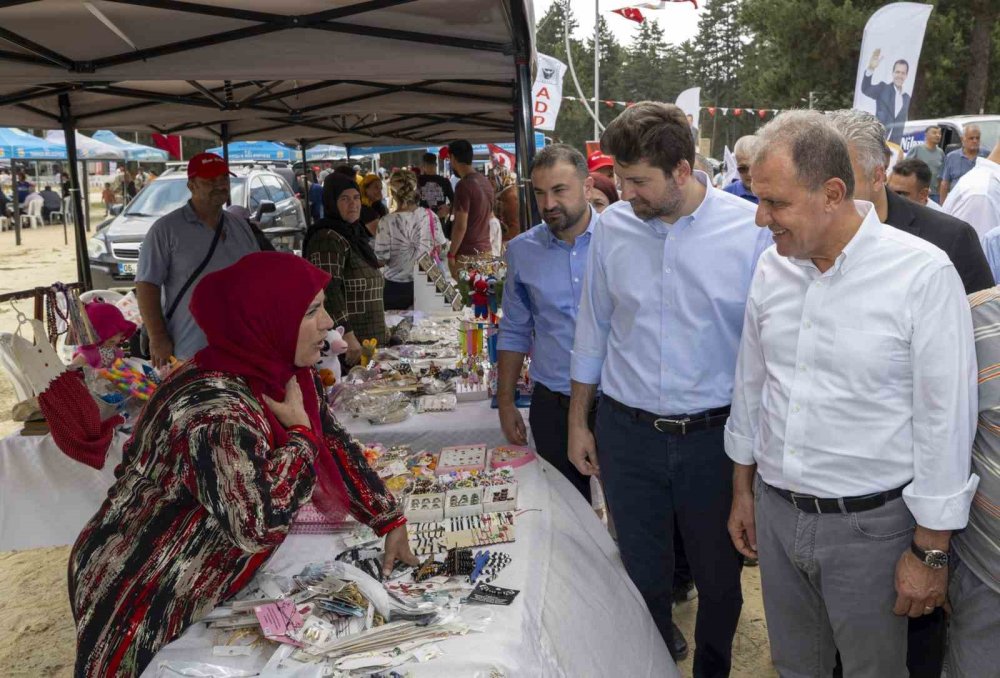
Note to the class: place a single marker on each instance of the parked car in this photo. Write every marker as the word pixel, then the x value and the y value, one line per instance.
pixel 915 131
pixel 262 191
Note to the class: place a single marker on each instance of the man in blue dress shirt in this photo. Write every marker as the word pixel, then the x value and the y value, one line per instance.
pixel 659 327
pixel 743 151
pixel 545 270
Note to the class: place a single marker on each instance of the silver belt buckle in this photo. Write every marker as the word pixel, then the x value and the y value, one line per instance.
pixel 683 423
pixel 814 500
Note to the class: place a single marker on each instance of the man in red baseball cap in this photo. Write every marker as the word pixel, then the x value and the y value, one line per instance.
pixel 180 248
pixel 602 164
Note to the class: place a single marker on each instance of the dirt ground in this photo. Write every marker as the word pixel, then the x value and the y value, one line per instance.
pixel 36 627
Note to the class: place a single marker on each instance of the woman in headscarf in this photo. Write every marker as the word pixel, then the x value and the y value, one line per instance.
pixel 372 207
pixel 223 455
pixel 340 245
pixel 403 237
pixel 604 192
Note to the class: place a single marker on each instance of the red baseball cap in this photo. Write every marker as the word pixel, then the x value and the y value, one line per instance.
pixel 598 160
pixel 207 166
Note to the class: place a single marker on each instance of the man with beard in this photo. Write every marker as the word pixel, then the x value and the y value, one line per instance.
pixel 545 271
pixel 659 326
pixel 180 249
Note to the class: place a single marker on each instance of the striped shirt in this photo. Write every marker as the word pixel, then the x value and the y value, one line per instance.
pixel 979 545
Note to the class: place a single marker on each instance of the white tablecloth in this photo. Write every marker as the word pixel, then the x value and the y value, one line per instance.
pixel 577 615
pixel 46 498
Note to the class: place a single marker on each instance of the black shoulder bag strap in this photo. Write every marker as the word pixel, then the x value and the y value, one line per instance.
pixel 197 271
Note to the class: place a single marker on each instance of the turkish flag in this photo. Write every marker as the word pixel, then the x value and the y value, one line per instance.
pixel 630 13
pixel 170 143
pixel 501 157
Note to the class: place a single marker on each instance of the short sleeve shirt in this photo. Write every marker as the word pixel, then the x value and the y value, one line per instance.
pixel 934 160
pixel 174 247
pixel 474 195
pixel 435 190
pixel 956 165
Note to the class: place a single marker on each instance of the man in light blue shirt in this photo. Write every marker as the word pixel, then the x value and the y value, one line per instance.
pixel 659 327
pixel 545 272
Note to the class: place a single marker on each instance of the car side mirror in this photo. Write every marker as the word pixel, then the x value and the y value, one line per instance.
pixel 265 207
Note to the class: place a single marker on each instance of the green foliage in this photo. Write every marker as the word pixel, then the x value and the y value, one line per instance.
pixel 768 54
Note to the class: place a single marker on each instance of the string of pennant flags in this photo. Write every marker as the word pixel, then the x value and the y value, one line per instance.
pixel 762 113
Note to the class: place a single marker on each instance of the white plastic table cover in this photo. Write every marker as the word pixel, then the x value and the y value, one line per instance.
pixel 577 614
pixel 46 498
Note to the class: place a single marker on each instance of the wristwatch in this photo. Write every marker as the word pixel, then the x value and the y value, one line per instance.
pixel 932 558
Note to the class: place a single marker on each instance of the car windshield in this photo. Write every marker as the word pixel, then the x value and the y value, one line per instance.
pixel 166 195
pixel 990 133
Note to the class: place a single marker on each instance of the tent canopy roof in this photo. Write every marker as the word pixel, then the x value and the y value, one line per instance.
pixel 379 71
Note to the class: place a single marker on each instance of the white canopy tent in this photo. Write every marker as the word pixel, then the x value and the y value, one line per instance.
pixel 87 148
pixel 350 72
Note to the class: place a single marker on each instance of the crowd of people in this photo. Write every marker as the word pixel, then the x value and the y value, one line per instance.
pixel 790 370
pixel 795 370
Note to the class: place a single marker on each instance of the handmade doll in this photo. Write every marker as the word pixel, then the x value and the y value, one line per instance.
pixel 112 330
pixel 329 362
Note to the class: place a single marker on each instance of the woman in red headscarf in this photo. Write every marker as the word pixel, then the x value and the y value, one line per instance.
pixel 223 455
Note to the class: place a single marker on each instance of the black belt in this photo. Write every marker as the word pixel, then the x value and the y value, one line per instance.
pixel 677 424
pixel 810 504
pixel 560 398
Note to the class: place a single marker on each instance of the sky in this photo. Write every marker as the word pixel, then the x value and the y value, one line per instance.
pixel 680 20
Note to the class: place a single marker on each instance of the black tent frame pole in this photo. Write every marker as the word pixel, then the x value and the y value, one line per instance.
pixel 69 132
pixel 225 152
pixel 305 182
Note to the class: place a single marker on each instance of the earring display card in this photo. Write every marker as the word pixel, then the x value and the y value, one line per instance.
pixel 462 458
pixel 499 498
pixel 463 501
pixel 424 508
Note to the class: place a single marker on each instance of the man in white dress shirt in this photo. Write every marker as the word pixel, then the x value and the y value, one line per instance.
pixel 853 414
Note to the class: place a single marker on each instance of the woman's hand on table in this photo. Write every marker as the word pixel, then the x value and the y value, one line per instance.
pixel 291 411
pixel 397 547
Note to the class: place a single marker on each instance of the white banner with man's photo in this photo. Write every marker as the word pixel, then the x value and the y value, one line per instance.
pixel 890 50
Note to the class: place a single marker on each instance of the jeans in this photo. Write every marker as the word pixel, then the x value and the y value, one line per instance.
pixel 650 479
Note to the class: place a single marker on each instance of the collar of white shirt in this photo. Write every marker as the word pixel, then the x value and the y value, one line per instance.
pixel 865 238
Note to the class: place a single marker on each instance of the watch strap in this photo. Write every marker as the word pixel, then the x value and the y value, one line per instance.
pixel 922 555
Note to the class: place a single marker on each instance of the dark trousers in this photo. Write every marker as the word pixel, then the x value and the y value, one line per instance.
pixel 398 296
pixel 650 478
pixel 925 645
pixel 549 421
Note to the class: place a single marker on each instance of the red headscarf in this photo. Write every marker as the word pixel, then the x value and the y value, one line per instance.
pixel 250 313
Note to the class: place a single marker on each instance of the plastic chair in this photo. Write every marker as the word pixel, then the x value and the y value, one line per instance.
pixel 66 211
pixel 33 215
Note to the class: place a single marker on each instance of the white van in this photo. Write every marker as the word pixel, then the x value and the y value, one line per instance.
pixel 951 130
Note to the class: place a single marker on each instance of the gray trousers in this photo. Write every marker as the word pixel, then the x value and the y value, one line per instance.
pixel 974 632
pixel 829 583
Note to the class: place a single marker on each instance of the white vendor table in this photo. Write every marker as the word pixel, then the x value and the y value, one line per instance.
pixel 577 615
pixel 46 498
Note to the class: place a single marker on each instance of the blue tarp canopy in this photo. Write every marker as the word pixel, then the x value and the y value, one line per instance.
pixel 16 144
pixel 133 151
pixel 477 149
pixel 256 150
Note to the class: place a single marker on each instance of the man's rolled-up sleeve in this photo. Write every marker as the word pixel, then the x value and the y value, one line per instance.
pixel 945 402
pixel 517 323
pixel 593 321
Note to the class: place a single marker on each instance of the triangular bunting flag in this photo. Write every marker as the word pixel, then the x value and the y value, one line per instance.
pixel 737 112
pixel 711 111
pixel 725 111
pixel 762 113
